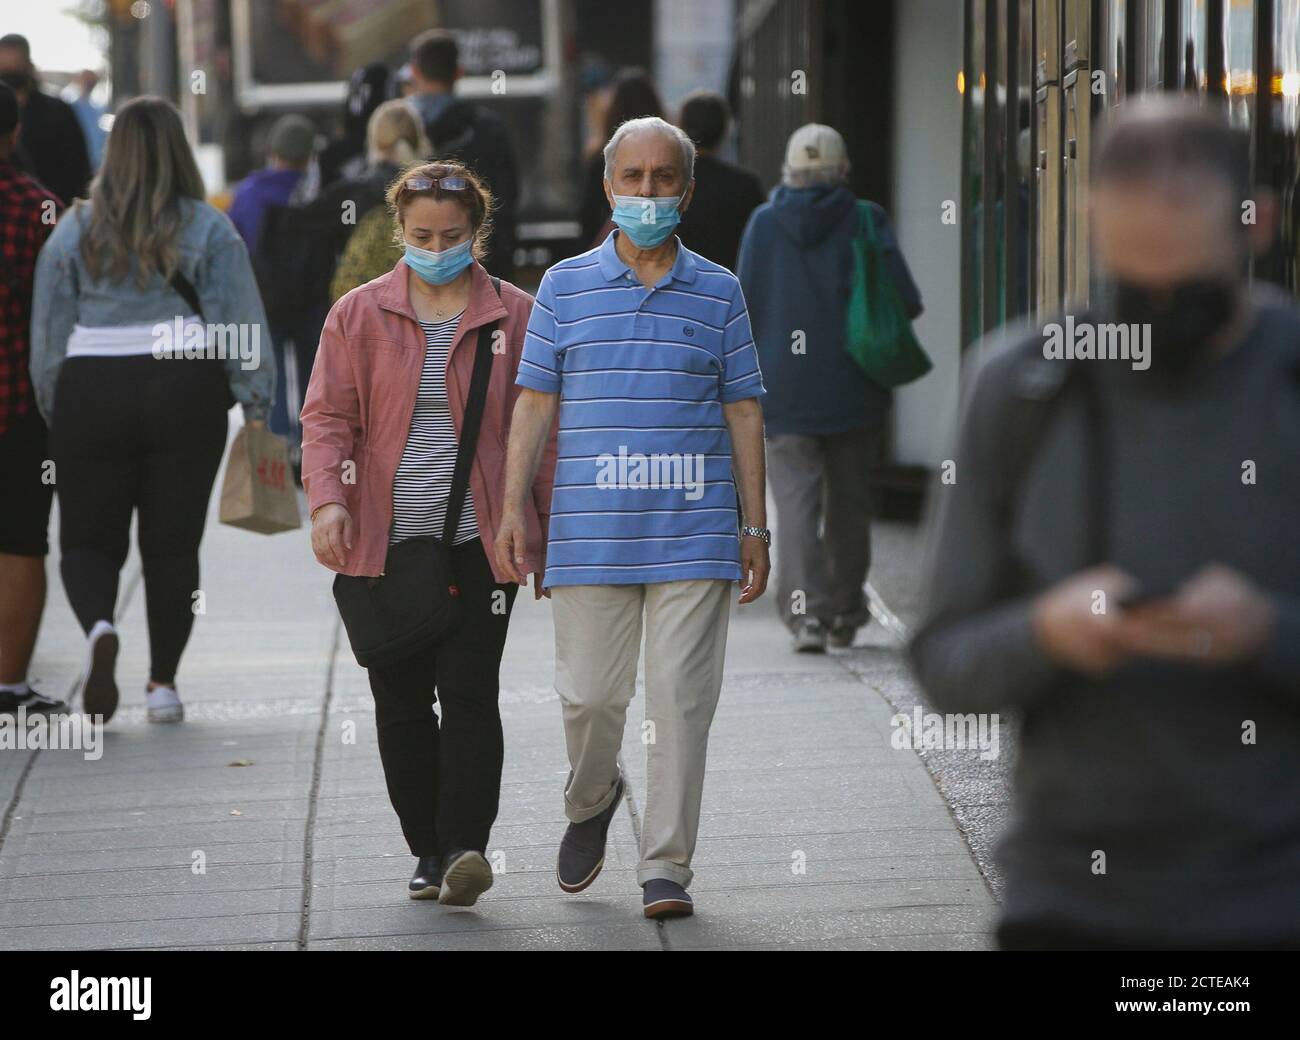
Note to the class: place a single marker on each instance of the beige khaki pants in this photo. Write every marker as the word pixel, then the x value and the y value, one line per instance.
pixel 597 644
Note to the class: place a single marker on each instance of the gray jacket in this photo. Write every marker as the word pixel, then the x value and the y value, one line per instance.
pixel 212 256
pixel 1201 830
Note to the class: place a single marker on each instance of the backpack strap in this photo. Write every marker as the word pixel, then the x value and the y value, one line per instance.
pixel 1041 390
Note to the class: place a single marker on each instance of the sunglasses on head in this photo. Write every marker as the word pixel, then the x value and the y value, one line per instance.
pixel 449 182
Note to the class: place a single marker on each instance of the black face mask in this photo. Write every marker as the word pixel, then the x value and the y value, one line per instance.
pixel 1184 319
pixel 19 81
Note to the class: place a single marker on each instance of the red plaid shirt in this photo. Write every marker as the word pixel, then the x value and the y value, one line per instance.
pixel 24 227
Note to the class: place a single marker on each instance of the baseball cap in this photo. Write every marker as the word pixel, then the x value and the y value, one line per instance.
pixel 815 147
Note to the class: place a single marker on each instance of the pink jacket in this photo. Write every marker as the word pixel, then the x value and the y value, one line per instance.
pixel 361 397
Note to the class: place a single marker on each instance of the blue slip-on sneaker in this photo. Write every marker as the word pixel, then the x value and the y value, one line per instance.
pixel 663 899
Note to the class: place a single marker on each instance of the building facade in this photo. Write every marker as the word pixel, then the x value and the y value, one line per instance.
pixel 1039 79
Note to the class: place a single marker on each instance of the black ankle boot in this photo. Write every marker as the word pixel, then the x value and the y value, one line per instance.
pixel 426 882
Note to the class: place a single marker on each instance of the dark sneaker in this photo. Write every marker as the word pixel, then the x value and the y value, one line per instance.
pixel 39 704
pixel 663 899
pixel 809 636
pixel 427 880
pixel 845 628
pixel 99 693
pixel 465 877
pixel 582 851
pixel 842 634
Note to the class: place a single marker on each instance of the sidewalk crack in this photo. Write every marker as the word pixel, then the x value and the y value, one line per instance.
pixel 313 797
pixel 634 812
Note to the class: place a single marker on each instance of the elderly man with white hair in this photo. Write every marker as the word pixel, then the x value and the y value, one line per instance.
pixel 644 350
pixel 825 419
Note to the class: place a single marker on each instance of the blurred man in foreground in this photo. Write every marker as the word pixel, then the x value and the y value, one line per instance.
pixel 1117 562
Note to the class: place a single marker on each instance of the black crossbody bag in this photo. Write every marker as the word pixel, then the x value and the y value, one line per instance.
pixel 415 603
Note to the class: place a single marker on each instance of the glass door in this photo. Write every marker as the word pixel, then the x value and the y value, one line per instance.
pixel 1077 104
pixel 1047 118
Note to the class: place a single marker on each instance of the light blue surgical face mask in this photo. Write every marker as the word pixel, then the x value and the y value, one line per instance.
pixel 646 221
pixel 439 268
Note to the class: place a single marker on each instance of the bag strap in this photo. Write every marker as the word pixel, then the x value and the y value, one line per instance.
pixel 474 403
pixel 866 223
pixel 1023 428
pixel 185 289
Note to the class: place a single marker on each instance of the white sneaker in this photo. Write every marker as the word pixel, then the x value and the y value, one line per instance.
pixel 99 687
pixel 164 704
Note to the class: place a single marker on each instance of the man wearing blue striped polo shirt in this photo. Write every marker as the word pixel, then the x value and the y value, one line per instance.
pixel 645 350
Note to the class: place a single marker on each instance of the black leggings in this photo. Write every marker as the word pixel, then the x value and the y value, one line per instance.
pixel 137 433
pixel 444 776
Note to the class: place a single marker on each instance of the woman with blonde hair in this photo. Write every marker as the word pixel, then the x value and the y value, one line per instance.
pixel 388 407
pixel 395 140
pixel 300 247
pixel 394 135
pixel 134 427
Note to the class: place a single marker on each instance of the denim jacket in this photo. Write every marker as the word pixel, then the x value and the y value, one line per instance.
pixel 212 256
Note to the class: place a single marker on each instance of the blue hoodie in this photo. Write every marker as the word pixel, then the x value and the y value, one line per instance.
pixel 257 191
pixel 796 270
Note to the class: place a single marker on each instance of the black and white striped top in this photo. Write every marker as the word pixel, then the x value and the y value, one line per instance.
pixel 422 484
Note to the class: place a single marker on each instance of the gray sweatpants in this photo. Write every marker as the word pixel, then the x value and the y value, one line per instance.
pixel 823 522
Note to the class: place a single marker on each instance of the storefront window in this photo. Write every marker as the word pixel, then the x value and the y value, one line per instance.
pixel 1193 56
pixel 1239 38
pixel 973 85
pixel 1286 117
pixel 1112 57
pixel 1154 33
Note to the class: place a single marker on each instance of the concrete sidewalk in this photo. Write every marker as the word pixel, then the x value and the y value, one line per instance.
pixel 263 821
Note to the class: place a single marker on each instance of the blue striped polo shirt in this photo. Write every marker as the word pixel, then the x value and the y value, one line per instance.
pixel 643 485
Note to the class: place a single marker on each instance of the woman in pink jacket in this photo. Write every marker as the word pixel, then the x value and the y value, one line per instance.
pixel 380 426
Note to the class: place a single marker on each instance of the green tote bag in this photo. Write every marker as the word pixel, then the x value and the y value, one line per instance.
pixel 879 335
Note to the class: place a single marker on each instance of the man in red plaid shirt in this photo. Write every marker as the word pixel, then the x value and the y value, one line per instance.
pixel 27 216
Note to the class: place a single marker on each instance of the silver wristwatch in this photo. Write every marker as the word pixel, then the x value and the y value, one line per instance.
pixel 757 532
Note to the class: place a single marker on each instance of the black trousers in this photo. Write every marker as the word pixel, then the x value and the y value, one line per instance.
pixel 137 434
pixel 25 516
pixel 444 774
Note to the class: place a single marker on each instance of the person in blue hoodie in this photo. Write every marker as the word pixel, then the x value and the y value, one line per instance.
pixel 281 182
pixel 825 420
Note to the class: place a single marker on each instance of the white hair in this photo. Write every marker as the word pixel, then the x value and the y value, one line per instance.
pixel 659 126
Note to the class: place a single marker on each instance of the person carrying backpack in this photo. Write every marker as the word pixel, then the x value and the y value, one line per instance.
pixel 461 131
pixel 825 416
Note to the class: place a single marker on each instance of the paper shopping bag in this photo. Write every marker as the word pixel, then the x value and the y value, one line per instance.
pixel 258 492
